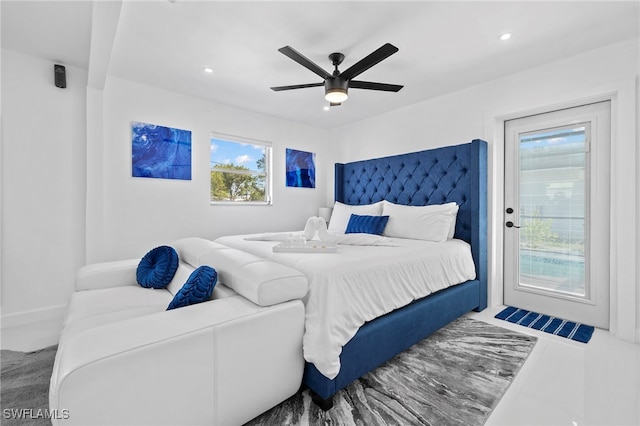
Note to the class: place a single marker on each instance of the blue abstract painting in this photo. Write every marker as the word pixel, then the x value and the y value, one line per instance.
pixel 160 152
pixel 301 168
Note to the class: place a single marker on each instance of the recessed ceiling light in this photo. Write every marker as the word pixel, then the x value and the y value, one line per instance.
pixel 505 36
pixel 326 108
pixel 208 70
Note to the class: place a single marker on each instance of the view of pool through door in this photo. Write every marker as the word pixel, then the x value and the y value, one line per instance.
pixel 556 214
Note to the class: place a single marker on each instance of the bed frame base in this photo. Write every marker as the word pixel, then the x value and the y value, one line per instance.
pixel 325 404
pixel 379 340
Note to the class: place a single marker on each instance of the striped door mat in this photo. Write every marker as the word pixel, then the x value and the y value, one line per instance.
pixel 559 327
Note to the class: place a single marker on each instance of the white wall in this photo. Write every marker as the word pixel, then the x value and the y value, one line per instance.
pixel 480 111
pixel 136 214
pixel 43 186
pixel 68 197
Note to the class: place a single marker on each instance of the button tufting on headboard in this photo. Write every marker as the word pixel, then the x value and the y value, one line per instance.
pixel 439 175
pixel 454 173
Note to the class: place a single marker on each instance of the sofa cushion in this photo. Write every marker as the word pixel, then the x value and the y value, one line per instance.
pixel 90 309
pixel 190 249
pixel 262 281
pixel 107 275
pixel 157 267
pixel 87 304
pixel 79 325
pixel 197 289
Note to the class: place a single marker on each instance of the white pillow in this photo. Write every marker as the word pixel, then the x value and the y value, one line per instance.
pixel 431 223
pixel 342 213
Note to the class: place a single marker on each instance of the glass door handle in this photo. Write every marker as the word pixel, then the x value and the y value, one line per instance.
pixel 510 224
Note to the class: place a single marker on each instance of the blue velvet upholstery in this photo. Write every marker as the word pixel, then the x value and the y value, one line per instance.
pixel 454 173
pixel 381 339
pixel 366 224
pixel 157 268
pixel 197 289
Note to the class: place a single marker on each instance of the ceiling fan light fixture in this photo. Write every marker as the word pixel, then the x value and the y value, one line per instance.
pixel 336 95
pixel 335 90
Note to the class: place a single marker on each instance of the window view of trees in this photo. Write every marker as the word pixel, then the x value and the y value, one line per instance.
pixel 238 172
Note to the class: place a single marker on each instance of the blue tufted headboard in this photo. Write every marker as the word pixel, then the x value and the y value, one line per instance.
pixel 453 173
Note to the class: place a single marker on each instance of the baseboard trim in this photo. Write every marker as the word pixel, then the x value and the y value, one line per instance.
pixel 33 316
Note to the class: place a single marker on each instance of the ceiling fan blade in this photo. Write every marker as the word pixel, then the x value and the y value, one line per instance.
pixel 305 62
pixel 367 62
pixel 355 84
pixel 296 86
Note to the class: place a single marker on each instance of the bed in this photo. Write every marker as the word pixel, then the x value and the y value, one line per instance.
pixel 432 177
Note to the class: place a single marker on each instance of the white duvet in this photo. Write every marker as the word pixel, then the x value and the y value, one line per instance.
pixel 360 283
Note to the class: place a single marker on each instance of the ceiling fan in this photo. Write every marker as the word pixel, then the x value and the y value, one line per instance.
pixel 336 85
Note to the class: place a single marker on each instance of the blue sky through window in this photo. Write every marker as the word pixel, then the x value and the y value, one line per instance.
pixel 553 138
pixel 239 154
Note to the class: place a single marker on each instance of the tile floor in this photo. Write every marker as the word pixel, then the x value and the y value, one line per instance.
pixel 570 383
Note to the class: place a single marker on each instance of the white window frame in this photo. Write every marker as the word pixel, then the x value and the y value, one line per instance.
pixel 268 186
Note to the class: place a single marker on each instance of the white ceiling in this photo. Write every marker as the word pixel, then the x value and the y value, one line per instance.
pixel 444 46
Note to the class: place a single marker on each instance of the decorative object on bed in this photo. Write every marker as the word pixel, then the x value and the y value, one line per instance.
pixel 160 152
pixel 313 226
pixel 197 289
pixel 453 377
pixel 548 324
pixel 301 168
pixel 366 224
pixel 157 268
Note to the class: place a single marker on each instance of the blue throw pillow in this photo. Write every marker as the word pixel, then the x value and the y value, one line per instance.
pixel 157 268
pixel 366 224
pixel 198 288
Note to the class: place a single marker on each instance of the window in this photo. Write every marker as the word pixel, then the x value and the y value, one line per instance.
pixel 240 170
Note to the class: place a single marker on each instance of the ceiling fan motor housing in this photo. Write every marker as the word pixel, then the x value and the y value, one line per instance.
pixel 336 86
pixel 336 83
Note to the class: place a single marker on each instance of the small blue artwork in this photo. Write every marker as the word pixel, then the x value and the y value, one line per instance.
pixel 160 152
pixel 301 169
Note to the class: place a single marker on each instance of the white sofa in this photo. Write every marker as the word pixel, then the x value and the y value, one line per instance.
pixel 124 360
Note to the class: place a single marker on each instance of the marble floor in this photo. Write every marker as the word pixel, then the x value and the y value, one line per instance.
pixel 570 383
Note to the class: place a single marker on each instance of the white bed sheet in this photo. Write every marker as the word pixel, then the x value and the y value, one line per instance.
pixel 360 283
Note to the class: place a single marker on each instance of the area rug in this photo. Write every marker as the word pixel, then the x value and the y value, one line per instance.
pixel 559 327
pixel 24 381
pixel 456 376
